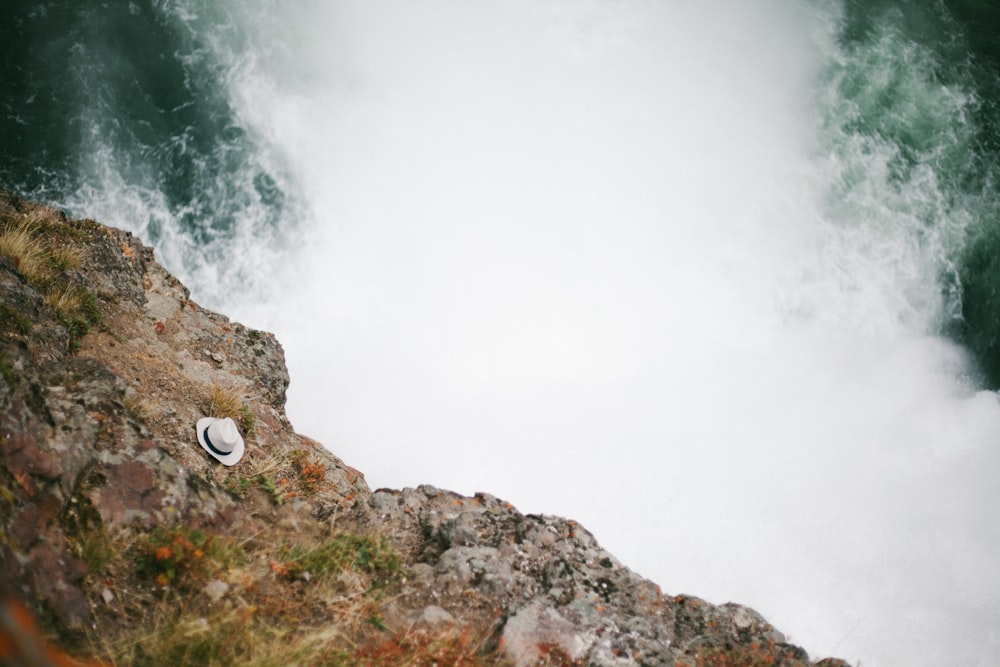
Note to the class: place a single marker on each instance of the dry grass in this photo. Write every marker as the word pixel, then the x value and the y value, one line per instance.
pixel 222 401
pixel 305 597
pixel 38 250
pixel 67 299
pixel 451 645
pixel 43 252
pixel 143 408
pixel 268 470
pixel 755 655
pixel 225 401
pixel 66 257
pixel 315 600
pixel 21 242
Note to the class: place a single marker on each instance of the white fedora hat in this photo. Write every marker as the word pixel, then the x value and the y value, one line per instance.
pixel 221 439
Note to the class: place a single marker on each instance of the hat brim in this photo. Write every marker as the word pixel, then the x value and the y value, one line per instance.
pixel 230 459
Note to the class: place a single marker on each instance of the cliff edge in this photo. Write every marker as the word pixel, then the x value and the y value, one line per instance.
pixel 132 546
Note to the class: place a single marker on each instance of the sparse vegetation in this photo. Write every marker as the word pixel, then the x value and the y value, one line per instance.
pixel 89 538
pixel 140 408
pixel 76 309
pixel 66 258
pixel 13 321
pixel 311 477
pixel 68 298
pixel 20 241
pixel 452 646
pixel 237 485
pixel 754 655
pixel 247 421
pixel 173 556
pixel 225 401
pixel 240 486
pixel 370 555
pixel 42 251
pixel 7 373
pixel 97 548
pixel 222 401
pixel 317 602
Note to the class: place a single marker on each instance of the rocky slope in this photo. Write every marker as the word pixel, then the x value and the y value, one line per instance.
pixel 133 546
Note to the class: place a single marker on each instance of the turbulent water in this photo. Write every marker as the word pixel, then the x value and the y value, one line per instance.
pixel 721 280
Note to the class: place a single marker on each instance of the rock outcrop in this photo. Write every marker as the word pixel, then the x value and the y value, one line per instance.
pixel 114 520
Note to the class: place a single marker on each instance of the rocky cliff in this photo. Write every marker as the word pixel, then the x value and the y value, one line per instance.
pixel 130 545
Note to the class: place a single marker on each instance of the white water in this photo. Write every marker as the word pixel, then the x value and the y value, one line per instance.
pixel 583 256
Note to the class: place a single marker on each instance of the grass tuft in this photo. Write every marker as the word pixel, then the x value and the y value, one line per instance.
pixel 373 556
pixel 222 401
pixel 66 258
pixel 69 299
pixel 76 309
pixel 21 242
pixel 43 257
pixel 247 421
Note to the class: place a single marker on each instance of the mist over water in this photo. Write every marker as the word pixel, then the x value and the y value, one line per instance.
pixel 679 271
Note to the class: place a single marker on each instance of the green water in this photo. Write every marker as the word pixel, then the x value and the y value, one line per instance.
pixel 132 100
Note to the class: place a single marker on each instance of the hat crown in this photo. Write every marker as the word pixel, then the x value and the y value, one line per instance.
pixel 223 435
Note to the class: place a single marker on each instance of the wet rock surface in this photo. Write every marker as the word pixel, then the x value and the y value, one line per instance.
pixel 97 431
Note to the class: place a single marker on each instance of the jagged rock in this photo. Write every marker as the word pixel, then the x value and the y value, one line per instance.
pixel 111 426
pixel 97 434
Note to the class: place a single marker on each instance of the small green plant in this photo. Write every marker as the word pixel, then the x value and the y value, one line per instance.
pixel 374 556
pixel 247 422
pixel 311 477
pixel 66 258
pixel 237 485
pixel 267 484
pixel 270 488
pixel 76 309
pixel 96 548
pixel 173 556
